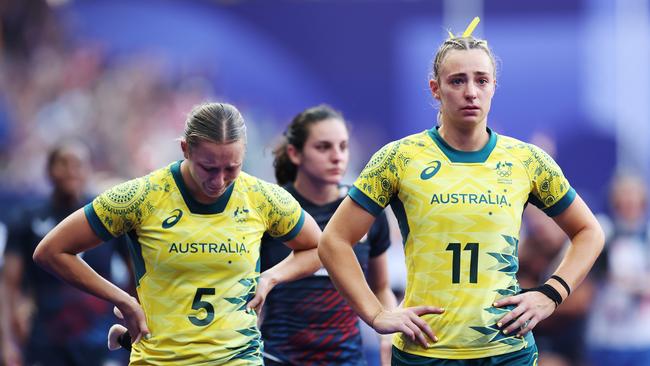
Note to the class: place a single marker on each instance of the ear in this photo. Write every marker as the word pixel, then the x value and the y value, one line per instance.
pixel 186 149
pixel 435 88
pixel 293 154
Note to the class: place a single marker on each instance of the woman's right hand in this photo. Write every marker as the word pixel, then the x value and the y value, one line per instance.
pixel 134 319
pixel 408 321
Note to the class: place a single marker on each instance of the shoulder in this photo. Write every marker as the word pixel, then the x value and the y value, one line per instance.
pixel 251 184
pixel 533 157
pixel 259 189
pixel 398 153
pixel 521 149
pixel 132 195
pixel 410 144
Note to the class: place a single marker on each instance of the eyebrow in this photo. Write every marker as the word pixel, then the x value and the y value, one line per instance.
pixel 218 165
pixel 480 73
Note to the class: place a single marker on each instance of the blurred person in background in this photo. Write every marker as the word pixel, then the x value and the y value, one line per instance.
pixel 619 323
pixel 307 322
pixel 459 191
pixel 561 336
pixel 195 228
pixel 67 324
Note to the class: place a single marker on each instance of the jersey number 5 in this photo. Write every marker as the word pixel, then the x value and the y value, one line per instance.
pixel 473 261
pixel 198 304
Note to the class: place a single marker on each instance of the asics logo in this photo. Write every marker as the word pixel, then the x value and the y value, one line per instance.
pixel 173 219
pixel 430 170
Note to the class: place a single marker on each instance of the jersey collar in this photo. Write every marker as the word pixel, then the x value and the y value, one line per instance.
pixel 195 206
pixel 457 156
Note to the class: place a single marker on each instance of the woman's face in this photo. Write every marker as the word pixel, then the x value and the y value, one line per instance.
pixel 324 156
pixel 213 167
pixel 628 198
pixel 465 87
pixel 68 171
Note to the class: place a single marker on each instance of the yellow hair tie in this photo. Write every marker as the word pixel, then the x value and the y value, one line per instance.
pixel 468 31
pixel 470 28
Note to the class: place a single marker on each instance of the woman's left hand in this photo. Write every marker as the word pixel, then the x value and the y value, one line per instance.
pixel 264 286
pixel 531 308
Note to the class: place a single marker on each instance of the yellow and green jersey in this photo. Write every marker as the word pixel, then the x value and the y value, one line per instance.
pixel 196 265
pixel 460 215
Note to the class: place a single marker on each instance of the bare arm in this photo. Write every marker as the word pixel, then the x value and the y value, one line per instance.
pixel 378 281
pixel 349 223
pixel 587 241
pixel 302 262
pixel 57 253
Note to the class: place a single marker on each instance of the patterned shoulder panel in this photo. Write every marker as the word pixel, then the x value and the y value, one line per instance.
pixel 548 181
pixel 380 179
pixel 123 207
pixel 280 210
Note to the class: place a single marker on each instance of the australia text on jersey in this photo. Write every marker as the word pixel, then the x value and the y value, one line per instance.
pixel 210 248
pixel 488 198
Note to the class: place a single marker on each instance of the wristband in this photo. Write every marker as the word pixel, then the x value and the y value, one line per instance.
pixel 563 283
pixel 550 292
pixel 547 290
pixel 125 340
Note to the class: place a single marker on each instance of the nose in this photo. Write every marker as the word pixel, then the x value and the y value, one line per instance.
pixel 470 91
pixel 337 154
pixel 217 179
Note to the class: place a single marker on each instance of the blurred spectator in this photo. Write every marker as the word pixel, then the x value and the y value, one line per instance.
pixel 24 24
pixel 68 326
pixel 560 337
pixel 619 325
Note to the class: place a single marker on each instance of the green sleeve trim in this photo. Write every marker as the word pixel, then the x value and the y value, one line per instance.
pixel 562 204
pixel 535 201
pixel 96 224
pixel 296 228
pixel 364 201
pixel 135 249
pixel 402 220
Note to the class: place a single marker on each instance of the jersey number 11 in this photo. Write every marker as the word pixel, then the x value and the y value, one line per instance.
pixel 473 261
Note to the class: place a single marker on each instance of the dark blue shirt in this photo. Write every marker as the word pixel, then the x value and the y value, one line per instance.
pixel 307 322
pixel 64 315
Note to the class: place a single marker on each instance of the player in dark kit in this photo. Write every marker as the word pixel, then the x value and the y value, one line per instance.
pixel 307 322
pixel 68 326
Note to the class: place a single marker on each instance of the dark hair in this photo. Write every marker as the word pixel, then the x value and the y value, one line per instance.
pixel 215 122
pixel 296 134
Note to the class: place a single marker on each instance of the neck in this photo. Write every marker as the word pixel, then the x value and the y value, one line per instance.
pixel 316 192
pixel 465 139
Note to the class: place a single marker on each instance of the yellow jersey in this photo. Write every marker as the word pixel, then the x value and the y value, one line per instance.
pixel 460 215
pixel 196 265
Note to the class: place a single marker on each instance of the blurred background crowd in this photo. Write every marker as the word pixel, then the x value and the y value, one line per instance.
pixel 113 80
